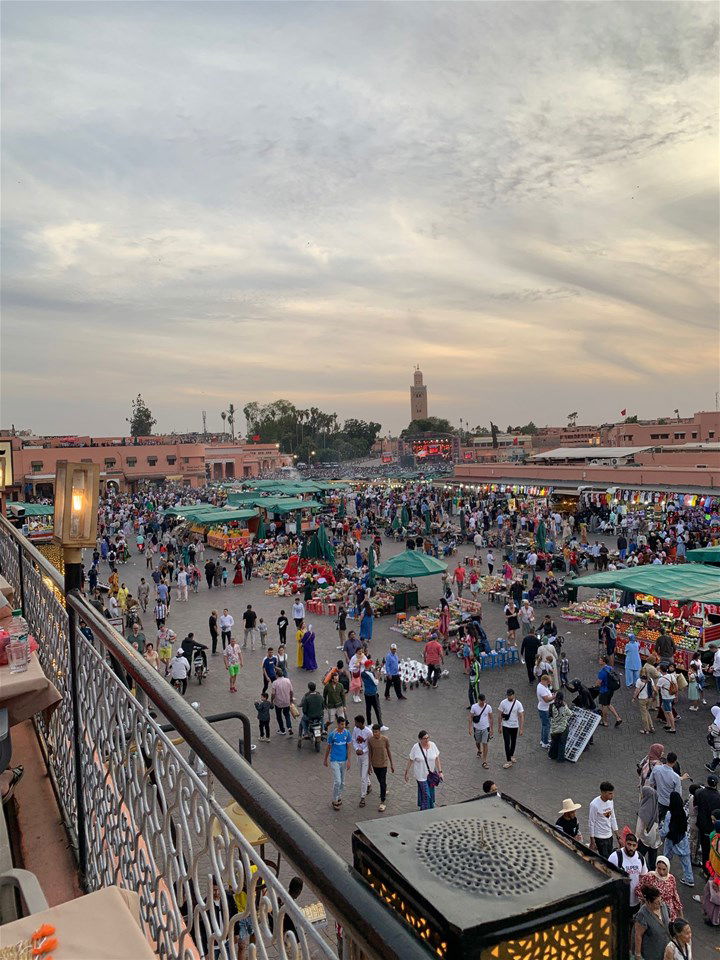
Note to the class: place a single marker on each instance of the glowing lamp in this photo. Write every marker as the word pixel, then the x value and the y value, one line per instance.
pixel 76 503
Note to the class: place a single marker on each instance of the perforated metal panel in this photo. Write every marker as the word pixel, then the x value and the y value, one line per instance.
pixel 485 856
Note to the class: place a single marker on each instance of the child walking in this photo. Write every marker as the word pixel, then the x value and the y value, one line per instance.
pixel 263 711
pixel 233 661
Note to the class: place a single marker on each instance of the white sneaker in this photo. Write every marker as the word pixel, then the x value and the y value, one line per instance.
pixel 384 729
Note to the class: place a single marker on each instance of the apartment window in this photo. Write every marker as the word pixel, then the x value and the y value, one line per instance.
pixel 694 435
pixel 131 461
pixel 654 436
pixel 171 460
pixel 679 436
pixel 152 461
pixel 712 434
pixel 186 459
pixel 86 460
pixel 36 466
pixel 109 462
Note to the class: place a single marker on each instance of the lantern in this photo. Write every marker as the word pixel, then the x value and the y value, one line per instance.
pixel 76 503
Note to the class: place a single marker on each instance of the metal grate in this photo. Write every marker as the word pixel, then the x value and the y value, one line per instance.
pixel 485 856
pixel 580 730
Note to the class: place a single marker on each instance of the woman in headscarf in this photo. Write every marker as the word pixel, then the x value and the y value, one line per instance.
pixel 644 768
pixel 300 633
pixel 366 623
pixel 444 625
pixel 238 578
pixel 647 829
pixel 633 663
pixel 308 645
pixel 664 881
pixel 551 590
pixel 674 829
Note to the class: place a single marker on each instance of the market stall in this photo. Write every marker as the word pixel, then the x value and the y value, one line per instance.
pixel 409 565
pixel 667 599
pixel 35 519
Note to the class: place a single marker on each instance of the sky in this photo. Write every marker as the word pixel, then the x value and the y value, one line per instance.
pixel 213 203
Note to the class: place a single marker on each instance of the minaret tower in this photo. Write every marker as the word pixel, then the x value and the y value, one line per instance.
pixel 418 397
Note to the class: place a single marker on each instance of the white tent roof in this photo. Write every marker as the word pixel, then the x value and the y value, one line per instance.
pixel 589 453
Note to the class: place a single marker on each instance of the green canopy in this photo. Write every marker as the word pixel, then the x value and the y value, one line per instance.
pixel 405 516
pixel 261 532
pixel 190 508
pixel 704 555
pixel 684 582
pixel 32 509
pixel 328 551
pixel 410 563
pixel 283 505
pixel 219 516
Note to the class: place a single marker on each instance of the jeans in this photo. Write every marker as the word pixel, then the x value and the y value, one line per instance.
pixel 434 673
pixel 364 768
pixel 544 726
pixel 717 683
pixel 225 638
pixel 381 774
pixel 249 635
pixel 264 728
pixel 338 768
pixel 682 849
pixel 510 735
pixel 281 712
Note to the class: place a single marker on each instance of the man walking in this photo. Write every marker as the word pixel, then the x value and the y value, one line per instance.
pixel 281 697
pixel 213 628
pixel 527 618
pixel 380 757
pixel 360 736
pixel 298 613
pixel 433 657
pixel 459 578
pixel 249 619
pixel 370 689
pixel 392 674
pixel 337 757
pixel 480 726
pixel 602 825
pixel 227 622
pixel 528 652
pixel 665 781
pixel 269 669
pixel 334 698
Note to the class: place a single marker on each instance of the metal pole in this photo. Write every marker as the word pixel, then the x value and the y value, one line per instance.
pixel 21 577
pixel 74 581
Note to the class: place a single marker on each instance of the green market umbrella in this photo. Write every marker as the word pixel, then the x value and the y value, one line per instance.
pixel 298 523
pixel 427 522
pixel 405 516
pixel 261 532
pixel 410 563
pixel 704 555
pixel 396 522
pixel 540 535
pixel 327 551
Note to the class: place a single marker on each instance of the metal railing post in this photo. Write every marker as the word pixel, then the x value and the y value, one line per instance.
pixel 74 581
pixel 21 577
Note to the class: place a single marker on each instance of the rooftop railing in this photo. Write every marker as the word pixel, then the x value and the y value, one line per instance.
pixel 141 815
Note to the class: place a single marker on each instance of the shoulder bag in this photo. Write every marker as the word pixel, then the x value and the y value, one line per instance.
pixel 433 778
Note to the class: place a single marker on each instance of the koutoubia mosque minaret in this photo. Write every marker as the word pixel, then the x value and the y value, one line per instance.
pixel 418 397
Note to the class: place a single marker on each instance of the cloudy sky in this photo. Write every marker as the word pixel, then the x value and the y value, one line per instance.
pixel 238 201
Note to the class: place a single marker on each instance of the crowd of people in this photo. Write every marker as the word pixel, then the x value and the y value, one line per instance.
pixel 178 564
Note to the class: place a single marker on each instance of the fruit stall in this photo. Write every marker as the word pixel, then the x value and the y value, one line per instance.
pixel 688 635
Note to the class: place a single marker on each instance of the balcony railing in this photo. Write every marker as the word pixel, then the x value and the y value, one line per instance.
pixel 140 816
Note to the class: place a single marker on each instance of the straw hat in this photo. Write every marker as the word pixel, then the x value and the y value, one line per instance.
pixel 569 807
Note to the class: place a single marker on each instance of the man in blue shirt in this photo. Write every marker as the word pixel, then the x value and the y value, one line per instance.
pixel 269 665
pixel 337 757
pixel 370 689
pixel 392 673
pixel 608 686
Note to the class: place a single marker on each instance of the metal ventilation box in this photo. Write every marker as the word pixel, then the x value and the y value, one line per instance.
pixel 490 880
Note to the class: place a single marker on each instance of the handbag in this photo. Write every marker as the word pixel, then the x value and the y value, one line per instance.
pixel 294 712
pixel 506 716
pixel 433 778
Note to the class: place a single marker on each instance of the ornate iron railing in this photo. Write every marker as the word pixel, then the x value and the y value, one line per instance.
pixel 141 817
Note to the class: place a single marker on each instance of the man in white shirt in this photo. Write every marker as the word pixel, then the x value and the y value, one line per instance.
pixel 361 733
pixel 667 691
pixel 630 862
pixel 602 825
pixel 182 582
pixel 179 669
pixel 298 612
pixel 227 622
pixel 511 720
pixel 545 697
pixel 480 726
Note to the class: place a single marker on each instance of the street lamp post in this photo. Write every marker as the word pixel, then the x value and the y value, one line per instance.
pixel 75 527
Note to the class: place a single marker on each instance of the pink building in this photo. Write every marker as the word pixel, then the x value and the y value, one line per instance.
pixel 125 463
pixel 703 427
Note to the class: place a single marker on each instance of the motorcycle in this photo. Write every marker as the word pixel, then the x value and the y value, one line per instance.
pixel 199 668
pixel 315 733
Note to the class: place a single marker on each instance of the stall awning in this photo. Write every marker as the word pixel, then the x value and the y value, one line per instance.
pixel 31 509
pixel 219 516
pixel 685 582
pixel 704 555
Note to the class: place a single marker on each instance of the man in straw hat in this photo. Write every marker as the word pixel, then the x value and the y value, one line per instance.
pixel 567 822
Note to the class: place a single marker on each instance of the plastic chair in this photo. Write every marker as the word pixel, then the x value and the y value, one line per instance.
pixel 512 655
pixel 493 658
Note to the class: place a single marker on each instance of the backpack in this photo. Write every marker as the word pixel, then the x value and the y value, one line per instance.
pixel 673 688
pixel 613 681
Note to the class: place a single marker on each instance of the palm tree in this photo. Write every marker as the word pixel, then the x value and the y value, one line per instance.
pixel 231 420
pixel 224 417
